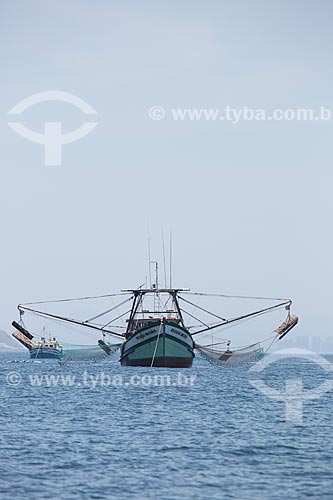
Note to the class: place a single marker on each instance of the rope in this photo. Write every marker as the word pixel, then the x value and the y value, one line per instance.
pixel 68 320
pixel 262 341
pixel 275 338
pixel 202 309
pixel 158 337
pixel 107 311
pixel 39 347
pixel 245 316
pixel 234 296
pixel 76 298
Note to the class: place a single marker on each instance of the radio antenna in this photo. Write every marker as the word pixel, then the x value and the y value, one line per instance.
pixel 164 264
pixel 170 255
pixel 149 260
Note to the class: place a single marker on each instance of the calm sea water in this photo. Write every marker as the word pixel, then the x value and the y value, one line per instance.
pixel 218 438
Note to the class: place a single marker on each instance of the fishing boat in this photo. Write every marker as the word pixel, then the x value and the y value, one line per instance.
pixel 46 349
pixel 164 326
pixel 50 348
pixel 157 337
pixel 43 349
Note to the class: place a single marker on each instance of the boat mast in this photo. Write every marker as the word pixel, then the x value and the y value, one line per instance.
pixel 170 257
pixel 164 263
pixel 155 286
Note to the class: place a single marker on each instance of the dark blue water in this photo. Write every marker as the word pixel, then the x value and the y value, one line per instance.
pixel 219 438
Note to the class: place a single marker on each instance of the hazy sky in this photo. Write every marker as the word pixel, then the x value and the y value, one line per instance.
pixel 250 205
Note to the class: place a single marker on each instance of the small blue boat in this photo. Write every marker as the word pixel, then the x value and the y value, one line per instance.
pixel 43 349
pixel 46 349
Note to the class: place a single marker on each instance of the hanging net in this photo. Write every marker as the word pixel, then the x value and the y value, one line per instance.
pixel 233 357
pixel 77 352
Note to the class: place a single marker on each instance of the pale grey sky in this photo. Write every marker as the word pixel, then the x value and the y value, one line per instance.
pixel 250 204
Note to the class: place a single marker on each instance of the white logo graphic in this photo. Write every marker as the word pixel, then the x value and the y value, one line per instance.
pixel 293 396
pixel 53 138
pixel 156 113
pixel 13 378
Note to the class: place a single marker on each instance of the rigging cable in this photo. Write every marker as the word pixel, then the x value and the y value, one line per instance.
pixel 233 320
pixel 108 311
pixel 75 299
pixel 235 296
pixel 68 320
pixel 201 308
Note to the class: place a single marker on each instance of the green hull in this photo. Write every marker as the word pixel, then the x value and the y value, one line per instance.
pixel 172 347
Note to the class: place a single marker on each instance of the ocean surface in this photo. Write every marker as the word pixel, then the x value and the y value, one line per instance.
pixel 100 431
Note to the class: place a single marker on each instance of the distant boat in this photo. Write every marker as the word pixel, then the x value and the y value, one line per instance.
pixel 52 349
pixel 46 349
pixel 43 349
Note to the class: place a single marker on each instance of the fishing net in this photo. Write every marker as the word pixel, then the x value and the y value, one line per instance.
pixel 228 357
pixel 77 352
